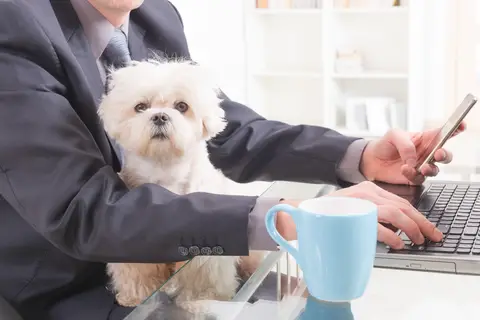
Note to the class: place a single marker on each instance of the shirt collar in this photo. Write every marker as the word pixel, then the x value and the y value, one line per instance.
pixel 97 28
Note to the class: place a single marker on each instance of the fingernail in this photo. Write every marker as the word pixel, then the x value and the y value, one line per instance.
pixel 420 239
pixel 438 233
pixel 399 245
pixel 444 154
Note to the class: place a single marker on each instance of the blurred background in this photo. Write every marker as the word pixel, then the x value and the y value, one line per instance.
pixel 358 66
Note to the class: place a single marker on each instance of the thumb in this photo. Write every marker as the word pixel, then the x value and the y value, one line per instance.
pixel 406 148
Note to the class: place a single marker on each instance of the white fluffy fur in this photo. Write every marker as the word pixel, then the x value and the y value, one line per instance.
pixel 179 162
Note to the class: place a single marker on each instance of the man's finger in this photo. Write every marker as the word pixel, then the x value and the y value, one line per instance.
pixel 412 175
pixel 390 196
pixel 443 156
pixel 394 216
pixel 389 237
pixel 404 145
pixel 427 228
pixel 429 170
pixel 461 128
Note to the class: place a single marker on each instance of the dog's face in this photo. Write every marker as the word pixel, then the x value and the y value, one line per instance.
pixel 159 110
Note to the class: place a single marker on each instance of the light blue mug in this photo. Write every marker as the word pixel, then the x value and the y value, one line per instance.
pixel 337 240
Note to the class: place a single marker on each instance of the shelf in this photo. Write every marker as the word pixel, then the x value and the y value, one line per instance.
pixel 392 10
pixel 292 11
pixel 370 75
pixel 287 74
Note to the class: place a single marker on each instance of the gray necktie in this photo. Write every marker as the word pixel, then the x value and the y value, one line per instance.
pixel 116 53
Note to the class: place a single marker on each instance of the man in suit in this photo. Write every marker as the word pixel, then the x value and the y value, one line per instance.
pixel 64 210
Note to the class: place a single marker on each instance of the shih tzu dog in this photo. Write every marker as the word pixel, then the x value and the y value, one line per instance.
pixel 162 113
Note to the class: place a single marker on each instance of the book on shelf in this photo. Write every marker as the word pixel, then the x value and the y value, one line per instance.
pixel 367 3
pixel 288 4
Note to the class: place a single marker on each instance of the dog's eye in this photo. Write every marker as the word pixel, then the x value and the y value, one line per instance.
pixel 141 107
pixel 181 106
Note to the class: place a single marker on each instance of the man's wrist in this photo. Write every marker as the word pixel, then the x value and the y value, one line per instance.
pixel 367 167
pixel 349 167
pixel 258 236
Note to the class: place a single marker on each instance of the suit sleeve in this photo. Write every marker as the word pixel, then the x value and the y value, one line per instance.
pixel 253 148
pixel 53 174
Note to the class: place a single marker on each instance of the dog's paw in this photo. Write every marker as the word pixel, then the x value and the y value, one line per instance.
pixel 127 301
pixel 200 309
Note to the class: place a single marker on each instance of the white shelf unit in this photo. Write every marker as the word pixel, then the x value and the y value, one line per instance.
pixel 291 65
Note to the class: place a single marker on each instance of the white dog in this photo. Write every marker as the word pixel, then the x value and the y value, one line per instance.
pixel 162 114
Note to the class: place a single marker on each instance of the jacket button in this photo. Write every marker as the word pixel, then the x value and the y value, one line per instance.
pixel 217 250
pixel 194 250
pixel 183 251
pixel 206 251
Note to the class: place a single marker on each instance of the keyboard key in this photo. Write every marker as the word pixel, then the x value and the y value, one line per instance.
pixel 456 231
pixel 468 237
pixel 435 244
pixel 440 249
pixel 463 250
pixel 450 245
pixel 426 203
pixel 476 251
pixel 446 221
pixel 415 247
pixel 471 231
pixel 444 228
pixel 404 236
pixel 453 237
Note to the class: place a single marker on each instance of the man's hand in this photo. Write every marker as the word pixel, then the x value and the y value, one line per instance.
pixel 393 158
pixel 285 224
pixel 391 210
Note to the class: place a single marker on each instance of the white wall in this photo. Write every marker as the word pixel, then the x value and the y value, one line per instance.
pixel 215 32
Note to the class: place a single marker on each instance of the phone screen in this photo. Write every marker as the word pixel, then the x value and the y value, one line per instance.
pixel 447 130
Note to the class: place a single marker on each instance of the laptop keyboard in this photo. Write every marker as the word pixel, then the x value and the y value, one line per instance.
pixel 455 210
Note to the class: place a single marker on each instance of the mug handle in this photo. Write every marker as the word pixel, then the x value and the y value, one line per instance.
pixel 272 230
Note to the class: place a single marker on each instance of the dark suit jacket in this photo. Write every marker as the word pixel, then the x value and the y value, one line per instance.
pixel 64 212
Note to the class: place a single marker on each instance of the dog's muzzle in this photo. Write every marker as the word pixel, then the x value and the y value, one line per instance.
pixel 160 122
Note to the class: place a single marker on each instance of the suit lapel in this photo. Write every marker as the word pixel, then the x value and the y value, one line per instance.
pixel 137 48
pixel 78 43
pixel 161 30
pixel 80 47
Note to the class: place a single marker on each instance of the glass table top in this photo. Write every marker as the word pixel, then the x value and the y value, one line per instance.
pixel 276 289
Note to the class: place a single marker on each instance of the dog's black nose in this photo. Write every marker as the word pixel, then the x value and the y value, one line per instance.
pixel 160 118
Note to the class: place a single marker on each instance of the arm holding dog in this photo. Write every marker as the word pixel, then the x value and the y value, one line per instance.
pixel 54 175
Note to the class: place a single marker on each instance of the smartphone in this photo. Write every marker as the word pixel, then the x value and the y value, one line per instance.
pixel 447 130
